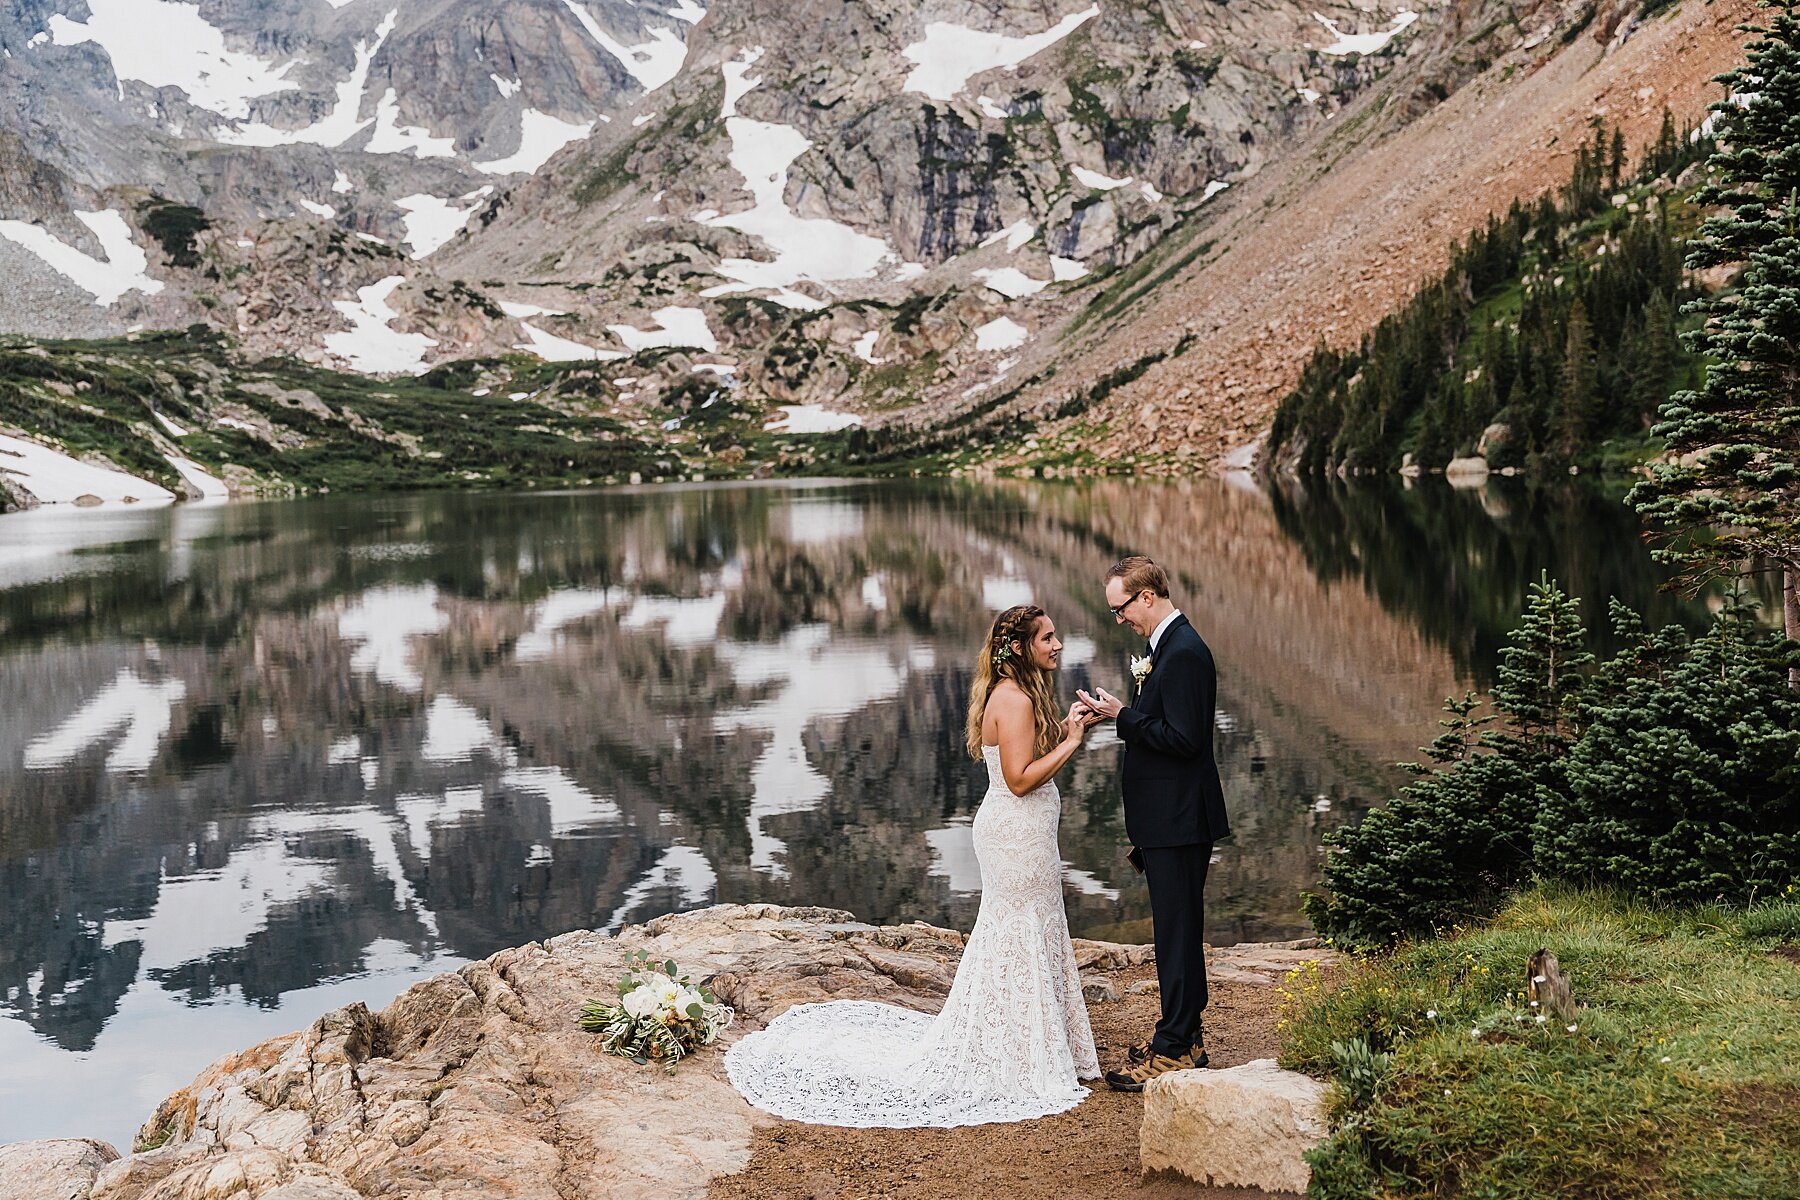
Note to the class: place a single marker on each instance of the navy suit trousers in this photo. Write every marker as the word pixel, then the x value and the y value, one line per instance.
pixel 1176 877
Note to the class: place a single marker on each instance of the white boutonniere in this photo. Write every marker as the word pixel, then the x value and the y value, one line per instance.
pixel 1140 670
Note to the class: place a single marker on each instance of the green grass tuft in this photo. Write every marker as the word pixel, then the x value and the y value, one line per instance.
pixel 1677 1080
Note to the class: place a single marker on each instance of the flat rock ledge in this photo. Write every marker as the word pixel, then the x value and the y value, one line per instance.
pixel 1243 1126
pixel 61 1167
pixel 478 1082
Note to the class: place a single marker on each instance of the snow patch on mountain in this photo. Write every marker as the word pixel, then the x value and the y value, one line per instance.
pixel 551 348
pixel 53 477
pixel 431 221
pixel 1002 333
pixel 1011 282
pixel 811 418
pixel 370 345
pixel 540 136
pixel 804 248
pixel 1097 181
pixel 165 44
pixel 738 81
pixel 1015 235
pixel 653 63
pixel 391 137
pixel 343 122
pixel 124 269
pixel 951 55
pixel 676 325
pixel 520 309
pixel 1363 43
pixel 196 477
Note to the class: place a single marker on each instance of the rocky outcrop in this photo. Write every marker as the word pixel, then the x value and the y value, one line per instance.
pixel 479 1081
pixel 1245 1126
pixel 58 1169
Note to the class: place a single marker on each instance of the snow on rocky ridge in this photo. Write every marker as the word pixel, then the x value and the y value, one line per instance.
pixel 951 55
pixel 1363 43
pixel 170 44
pixel 125 267
pixel 810 249
pixel 371 344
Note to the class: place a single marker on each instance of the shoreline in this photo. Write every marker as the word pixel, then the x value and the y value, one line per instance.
pixel 472 1073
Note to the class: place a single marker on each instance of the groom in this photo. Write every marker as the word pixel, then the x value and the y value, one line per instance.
pixel 1174 807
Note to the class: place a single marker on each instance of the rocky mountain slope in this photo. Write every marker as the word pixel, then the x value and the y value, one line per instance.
pixel 1337 234
pixel 1019 221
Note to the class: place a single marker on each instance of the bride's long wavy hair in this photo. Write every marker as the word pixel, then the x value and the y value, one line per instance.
pixel 1005 655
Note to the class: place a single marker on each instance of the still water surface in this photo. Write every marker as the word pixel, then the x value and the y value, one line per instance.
pixel 260 760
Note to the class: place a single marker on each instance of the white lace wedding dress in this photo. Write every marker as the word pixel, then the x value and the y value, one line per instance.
pixel 1012 1040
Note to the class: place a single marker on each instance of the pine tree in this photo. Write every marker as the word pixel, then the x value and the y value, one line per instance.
pixel 1729 496
pixel 1579 394
pixel 1683 785
pixel 1541 675
pixel 1667 151
pixel 1659 351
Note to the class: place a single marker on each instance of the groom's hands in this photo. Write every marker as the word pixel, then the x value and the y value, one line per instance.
pixel 1102 702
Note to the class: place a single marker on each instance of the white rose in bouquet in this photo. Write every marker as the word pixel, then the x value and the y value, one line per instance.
pixel 640 1002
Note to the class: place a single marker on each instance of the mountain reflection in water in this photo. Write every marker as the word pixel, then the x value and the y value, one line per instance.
pixel 262 759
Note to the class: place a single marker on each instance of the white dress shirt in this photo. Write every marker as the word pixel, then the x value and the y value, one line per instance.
pixel 1156 634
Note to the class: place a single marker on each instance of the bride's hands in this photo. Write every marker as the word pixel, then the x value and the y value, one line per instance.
pixel 1080 719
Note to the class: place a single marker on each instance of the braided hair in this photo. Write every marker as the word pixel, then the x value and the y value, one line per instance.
pixel 1005 656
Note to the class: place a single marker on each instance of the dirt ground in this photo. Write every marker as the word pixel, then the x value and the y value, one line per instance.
pixel 1089 1151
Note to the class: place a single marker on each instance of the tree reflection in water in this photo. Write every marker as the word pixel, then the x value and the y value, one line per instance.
pixel 256 748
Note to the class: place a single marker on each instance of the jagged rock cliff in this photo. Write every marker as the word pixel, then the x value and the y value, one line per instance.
pixel 797 154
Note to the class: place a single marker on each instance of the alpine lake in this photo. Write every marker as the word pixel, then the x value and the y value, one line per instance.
pixel 258 760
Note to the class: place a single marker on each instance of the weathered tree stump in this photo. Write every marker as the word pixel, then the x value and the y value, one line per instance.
pixel 1547 986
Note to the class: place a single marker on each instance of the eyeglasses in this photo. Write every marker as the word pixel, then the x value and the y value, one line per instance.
pixel 1118 610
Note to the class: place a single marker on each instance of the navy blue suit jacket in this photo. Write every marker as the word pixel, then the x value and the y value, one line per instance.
pixel 1171 781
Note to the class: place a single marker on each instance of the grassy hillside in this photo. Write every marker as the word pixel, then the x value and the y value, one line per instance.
pixel 1674 1079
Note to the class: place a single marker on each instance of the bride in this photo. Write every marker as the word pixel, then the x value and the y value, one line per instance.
pixel 1012 1040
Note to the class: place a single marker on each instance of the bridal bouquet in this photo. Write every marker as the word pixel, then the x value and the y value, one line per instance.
pixel 659 1015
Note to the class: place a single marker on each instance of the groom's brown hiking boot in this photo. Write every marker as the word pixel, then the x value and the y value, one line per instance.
pixel 1141 1053
pixel 1134 1075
